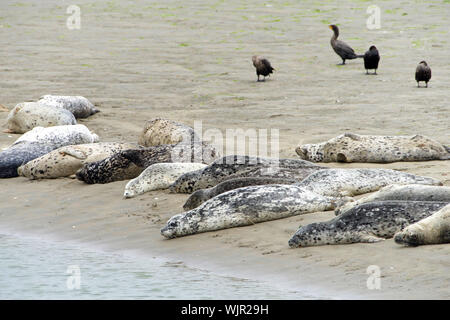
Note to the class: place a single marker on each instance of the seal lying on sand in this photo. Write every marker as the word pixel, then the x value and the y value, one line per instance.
pixel 129 164
pixel 163 131
pixel 158 176
pixel 60 135
pixel 246 206
pixel 369 222
pixel 351 147
pixel 231 167
pixel 28 115
pixel 202 195
pixel 160 131
pixel 65 161
pixel 20 153
pixel 434 229
pixel 38 142
pixel 410 192
pixel 79 106
pixel 352 182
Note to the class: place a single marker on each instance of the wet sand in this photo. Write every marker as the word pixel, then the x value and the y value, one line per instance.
pixel 191 61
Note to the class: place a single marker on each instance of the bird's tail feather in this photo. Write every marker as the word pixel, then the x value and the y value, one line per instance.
pixel 360 56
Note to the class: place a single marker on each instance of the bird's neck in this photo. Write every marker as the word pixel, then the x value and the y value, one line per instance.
pixel 335 35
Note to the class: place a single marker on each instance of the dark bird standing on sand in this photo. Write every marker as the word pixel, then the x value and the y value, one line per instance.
pixel 340 47
pixel 423 73
pixel 371 59
pixel 262 66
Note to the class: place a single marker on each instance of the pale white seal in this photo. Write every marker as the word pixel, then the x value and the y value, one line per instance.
pixel 434 229
pixel 60 135
pixel 158 176
pixel 28 115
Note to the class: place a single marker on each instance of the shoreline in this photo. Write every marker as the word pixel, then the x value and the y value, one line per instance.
pixel 337 271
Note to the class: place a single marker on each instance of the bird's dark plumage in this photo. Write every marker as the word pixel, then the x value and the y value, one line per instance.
pixel 423 73
pixel 371 59
pixel 340 47
pixel 263 66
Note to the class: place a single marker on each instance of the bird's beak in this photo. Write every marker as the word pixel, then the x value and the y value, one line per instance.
pixel 330 27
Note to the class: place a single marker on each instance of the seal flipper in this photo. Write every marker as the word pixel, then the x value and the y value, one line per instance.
pixel 446 156
pixel 370 238
pixel 78 154
pixel 352 136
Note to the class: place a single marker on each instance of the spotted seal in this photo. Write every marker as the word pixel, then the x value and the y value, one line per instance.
pixel 409 192
pixel 202 195
pixel 160 131
pixel 65 161
pixel 352 182
pixel 79 106
pixel 246 206
pixel 28 115
pixel 434 229
pixel 129 164
pixel 350 147
pixel 368 222
pixel 60 135
pixel 236 166
pixel 158 176
pixel 38 142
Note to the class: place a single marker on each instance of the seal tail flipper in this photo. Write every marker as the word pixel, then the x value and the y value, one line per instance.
pixel 369 238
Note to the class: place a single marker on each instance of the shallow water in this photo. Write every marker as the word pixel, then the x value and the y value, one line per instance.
pixel 41 269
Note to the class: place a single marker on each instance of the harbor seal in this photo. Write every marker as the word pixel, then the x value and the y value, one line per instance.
pixel 202 195
pixel 409 192
pixel 65 161
pixel 246 206
pixel 38 142
pixel 79 106
pixel 129 164
pixel 369 222
pixel 163 131
pixel 434 229
pixel 20 153
pixel 160 131
pixel 158 176
pixel 236 166
pixel 350 147
pixel 28 115
pixel 352 182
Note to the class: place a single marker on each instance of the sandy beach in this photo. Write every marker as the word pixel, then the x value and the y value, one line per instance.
pixel 191 61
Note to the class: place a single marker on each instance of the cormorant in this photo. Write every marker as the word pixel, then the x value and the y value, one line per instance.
pixel 423 73
pixel 262 66
pixel 340 47
pixel 371 59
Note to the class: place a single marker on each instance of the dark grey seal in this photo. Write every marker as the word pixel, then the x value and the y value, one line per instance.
pixel 231 167
pixel 369 222
pixel 202 195
pixel 19 154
